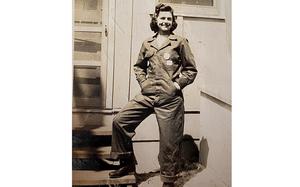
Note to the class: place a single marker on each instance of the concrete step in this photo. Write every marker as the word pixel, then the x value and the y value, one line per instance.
pixel 86 177
pixel 94 129
pixel 91 152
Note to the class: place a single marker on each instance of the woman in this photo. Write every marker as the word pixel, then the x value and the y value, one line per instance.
pixel 164 67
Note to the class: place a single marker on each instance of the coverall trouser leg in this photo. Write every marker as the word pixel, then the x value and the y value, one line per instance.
pixel 170 117
pixel 124 125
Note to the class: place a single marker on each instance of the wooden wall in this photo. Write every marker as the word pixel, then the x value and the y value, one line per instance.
pixel 209 36
pixel 208 39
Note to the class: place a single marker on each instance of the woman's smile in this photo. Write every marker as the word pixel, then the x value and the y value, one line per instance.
pixel 164 21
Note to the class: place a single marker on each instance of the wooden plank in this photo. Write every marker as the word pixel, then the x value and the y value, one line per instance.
pixel 109 81
pixel 123 37
pixel 88 152
pixel 212 57
pixel 94 129
pixel 86 102
pixel 85 177
pixel 115 111
pixel 95 110
pixel 92 117
pixel 87 116
pixel 87 71
pixel 216 129
pixel 88 28
pixel 141 10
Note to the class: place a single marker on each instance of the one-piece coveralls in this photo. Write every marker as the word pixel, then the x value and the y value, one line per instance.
pixel 156 70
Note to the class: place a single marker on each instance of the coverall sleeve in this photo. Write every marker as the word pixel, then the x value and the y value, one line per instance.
pixel 140 67
pixel 189 71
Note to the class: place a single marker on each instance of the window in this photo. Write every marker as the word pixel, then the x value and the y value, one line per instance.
pixel 88 12
pixel 197 8
pixel 88 31
pixel 87 47
pixel 86 87
pixel 189 2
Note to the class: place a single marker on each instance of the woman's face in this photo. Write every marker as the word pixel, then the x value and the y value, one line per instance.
pixel 164 21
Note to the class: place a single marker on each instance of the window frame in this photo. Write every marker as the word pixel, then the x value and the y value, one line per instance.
pixel 202 11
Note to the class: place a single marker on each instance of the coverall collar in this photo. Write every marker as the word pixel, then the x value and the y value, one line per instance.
pixel 171 37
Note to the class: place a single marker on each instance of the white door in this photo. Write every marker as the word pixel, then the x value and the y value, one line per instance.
pixel 90 53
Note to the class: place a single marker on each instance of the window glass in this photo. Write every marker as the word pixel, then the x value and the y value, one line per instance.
pixel 87 46
pixel 88 30
pixel 86 87
pixel 190 2
pixel 91 4
pixel 88 12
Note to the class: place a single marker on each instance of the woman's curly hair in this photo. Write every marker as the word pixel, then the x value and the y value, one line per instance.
pixel 158 8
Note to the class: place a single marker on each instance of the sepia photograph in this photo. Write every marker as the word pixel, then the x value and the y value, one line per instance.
pixel 151 93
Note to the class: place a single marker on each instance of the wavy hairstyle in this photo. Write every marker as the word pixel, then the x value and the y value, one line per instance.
pixel 158 8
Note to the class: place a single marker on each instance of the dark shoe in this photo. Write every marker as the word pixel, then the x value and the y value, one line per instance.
pixel 167 184
pixel 125 170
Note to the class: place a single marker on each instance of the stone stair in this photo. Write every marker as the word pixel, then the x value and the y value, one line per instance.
pixel 90 153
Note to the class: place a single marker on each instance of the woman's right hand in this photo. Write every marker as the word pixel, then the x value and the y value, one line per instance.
pixel 146 86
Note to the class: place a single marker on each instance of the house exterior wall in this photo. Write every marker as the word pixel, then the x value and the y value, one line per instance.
pixel 210 40
pixel 209 36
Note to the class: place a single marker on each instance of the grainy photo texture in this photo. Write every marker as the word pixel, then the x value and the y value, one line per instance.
pixel 151 93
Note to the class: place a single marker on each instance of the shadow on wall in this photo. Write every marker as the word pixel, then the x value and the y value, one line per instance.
pixel 189 153
pixel 203 153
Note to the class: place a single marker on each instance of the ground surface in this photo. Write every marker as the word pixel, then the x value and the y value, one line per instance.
pixel 186 178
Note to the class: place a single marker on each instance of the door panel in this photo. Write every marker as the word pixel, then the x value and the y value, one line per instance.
pixel 90 53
